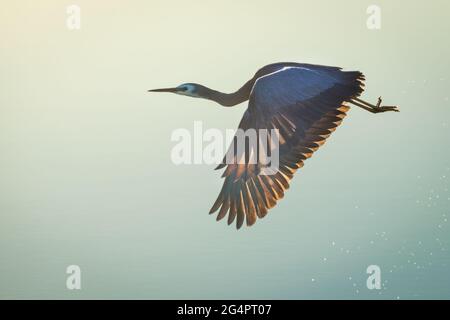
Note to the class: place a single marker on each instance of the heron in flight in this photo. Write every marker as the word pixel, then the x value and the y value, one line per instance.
pixel 305 103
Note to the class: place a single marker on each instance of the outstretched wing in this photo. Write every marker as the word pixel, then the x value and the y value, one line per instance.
pixel 305 103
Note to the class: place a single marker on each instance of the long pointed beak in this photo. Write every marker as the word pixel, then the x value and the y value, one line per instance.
pixel 173 90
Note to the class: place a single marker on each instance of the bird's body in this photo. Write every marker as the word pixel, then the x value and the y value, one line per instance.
pixel 304 103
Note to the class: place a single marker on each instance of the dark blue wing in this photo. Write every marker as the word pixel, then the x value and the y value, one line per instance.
pixel 289 86
pixel 305 103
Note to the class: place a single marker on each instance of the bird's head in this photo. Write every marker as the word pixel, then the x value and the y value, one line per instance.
pixel 185 89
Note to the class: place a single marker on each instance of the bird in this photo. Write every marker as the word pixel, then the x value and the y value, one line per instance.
pixel 305 103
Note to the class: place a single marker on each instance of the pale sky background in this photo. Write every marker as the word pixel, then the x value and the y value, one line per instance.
pixel 86 176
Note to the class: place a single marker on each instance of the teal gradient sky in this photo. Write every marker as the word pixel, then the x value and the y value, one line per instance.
pixel 86 175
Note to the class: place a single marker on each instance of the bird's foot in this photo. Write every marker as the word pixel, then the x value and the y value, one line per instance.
pixel 386 109
pixel 379 108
